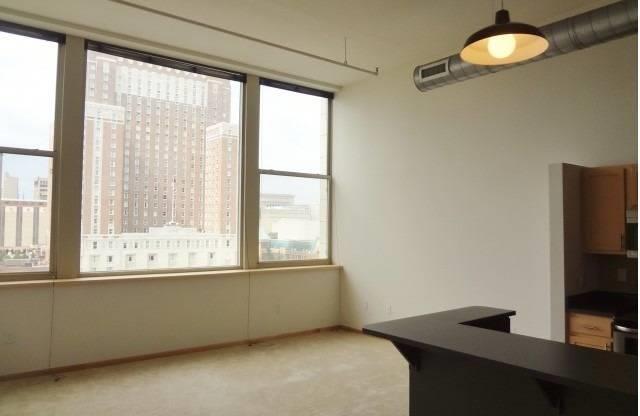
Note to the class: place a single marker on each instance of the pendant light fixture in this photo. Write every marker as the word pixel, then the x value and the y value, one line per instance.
pixel 503 43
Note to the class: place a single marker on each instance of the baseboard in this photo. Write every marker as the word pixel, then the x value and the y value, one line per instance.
pixel 350 329
pixel 125 360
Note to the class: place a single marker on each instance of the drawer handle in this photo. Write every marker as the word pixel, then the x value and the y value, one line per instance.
pixel 591 327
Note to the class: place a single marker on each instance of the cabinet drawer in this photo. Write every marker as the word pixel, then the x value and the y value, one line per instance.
pixel 587 341
pixel 598 326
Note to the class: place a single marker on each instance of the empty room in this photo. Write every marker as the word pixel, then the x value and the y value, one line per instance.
pixel 338 207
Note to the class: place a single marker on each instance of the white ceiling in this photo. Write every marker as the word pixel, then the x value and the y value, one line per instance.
pixel 381 33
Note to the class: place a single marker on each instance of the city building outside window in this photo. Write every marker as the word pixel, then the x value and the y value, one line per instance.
pixel 28 79
pixel 169 179
pixel 294 174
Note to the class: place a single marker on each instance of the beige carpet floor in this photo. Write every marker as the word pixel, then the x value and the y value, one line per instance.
pixel 327 373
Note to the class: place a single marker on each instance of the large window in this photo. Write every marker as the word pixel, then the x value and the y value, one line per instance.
pixel 161 176
pixel 28 77
pixel 141 165
pixel 294 174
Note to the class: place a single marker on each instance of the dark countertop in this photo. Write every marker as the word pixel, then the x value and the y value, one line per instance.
pixel 603 303
pixel 551 361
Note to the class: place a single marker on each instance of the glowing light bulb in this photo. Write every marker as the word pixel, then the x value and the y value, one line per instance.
pixel 501 46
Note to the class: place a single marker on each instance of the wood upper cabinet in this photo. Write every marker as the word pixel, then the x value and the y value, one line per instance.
pixel 603 210
pixel 631 178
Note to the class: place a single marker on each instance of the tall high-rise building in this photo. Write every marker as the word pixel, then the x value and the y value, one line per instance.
pixel 102 181
pixel 145 129
pixel 9 186
pixel 41 189
pixel 221 179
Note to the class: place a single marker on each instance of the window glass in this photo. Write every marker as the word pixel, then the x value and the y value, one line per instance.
pixel 161 168
pixel 293 218
pixel 293 131
pixel 294 179
pixel 28 72
pixel 25 215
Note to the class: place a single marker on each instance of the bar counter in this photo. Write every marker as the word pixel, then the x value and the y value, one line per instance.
pixel 466 362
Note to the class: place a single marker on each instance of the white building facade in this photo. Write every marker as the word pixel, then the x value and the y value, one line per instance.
pixel 167 247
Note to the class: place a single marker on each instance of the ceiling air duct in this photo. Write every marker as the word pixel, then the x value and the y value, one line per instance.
pixel 578 32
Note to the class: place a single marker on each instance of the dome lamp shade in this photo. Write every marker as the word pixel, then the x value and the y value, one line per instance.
pixel 504 43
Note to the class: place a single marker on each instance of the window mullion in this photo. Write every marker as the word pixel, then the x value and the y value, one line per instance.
pixel 330 210
pixel 27 152
pixel 251 170
pixel 69 162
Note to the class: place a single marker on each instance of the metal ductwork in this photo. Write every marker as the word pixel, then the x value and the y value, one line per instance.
pixel 578 32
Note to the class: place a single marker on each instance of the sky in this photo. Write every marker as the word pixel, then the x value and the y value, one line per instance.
pixel 291 131
pixel 27 106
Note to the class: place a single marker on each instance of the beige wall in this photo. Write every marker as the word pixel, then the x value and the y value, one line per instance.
pixel 292 302
pixel 25 328
pixel 442 198
pixel 97 321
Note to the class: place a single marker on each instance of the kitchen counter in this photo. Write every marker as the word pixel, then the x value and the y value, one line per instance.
pixel 608 304
pixel 465 362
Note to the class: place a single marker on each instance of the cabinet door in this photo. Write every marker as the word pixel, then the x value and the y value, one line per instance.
pixel 631 172
pixel 603 210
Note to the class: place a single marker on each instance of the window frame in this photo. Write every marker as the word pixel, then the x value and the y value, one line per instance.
pixel 32 32
pixel 53 154
pixel 165 61
pixel 327 177
pixel 197 68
